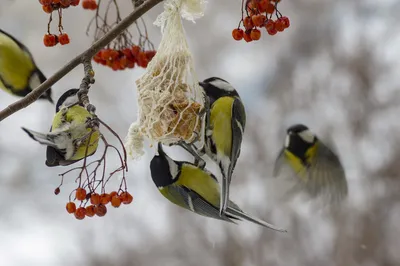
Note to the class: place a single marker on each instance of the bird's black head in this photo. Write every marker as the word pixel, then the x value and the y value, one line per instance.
pixel 69 97
pixel 164 170
pixel 216 87
pixel 299 139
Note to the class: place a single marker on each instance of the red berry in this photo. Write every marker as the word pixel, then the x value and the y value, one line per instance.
pixel 263 5
pixel 142 60
pixel 280 25
pixel 46 2
pixel 270 8
pixel 75 2
pixel 270 25
pixel 47 9
pixel 126 197
pixel 57 191
pixel 135 50
pixel 65 3
pixel 105 198
pixel 90 211
pixel 237 34
pixel 95 199
pixel 286 21
pixel 63 38
pixel 248 23
pixel 100 210
pixel 49 40
pixel 258 20
pixel 80 213
pixel 272 31
pixel 115 201
pixel 255 34
pixel 150 55
pixel 247 36
pixel 71 208
pixel 80 194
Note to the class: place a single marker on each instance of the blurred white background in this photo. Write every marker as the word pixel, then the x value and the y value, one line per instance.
pixel 335 69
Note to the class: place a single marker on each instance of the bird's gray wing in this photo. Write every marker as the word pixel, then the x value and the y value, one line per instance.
pixel 192 201
pixel 327 175
pixel 279 163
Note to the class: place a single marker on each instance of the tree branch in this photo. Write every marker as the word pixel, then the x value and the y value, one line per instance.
pixel 89 53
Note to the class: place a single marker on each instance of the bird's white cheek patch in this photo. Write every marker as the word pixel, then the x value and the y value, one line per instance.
pixel 173 168
pixel 307 136
pixel 222 85
pixel 287 141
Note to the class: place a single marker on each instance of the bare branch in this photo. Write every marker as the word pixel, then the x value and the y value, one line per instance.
pixel 89 53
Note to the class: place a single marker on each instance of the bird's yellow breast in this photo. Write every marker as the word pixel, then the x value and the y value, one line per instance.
pixel 78 115
pixel 220 120
pixel 16 65
pixel 201 182
pixel 298 165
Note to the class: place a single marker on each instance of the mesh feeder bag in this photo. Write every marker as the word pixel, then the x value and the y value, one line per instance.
pixel 169 96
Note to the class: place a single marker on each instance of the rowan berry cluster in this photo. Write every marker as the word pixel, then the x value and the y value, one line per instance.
pixel 51 5
pixel 259 15
pixel 120 59
pixel 98 202
pixel 52 39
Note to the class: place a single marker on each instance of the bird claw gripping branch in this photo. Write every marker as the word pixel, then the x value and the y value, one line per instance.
pixel 257 15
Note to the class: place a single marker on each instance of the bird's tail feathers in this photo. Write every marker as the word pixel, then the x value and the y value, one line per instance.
pixel 42 138
pixel 241 215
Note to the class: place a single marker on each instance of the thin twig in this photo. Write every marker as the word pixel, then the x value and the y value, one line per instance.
pixel 89 53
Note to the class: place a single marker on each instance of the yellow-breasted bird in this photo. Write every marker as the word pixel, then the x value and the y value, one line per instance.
pixel 226 121
pixel 194 189
pixel 68 139
pixel 19 74
pixel 315 168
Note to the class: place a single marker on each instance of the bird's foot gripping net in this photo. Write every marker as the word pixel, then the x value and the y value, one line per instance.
pixel 170 100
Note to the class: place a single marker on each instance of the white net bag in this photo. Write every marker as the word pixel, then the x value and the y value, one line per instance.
pixel 169 96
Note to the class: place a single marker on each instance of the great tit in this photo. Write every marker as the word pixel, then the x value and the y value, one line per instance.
pixel 194 189
pixel 19 74
pixel 225 124
pixel 314 167
pixel 68 140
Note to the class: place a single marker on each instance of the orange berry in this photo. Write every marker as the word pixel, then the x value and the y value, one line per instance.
pixel 276 1
pixel 115 201
pixel 258 20
pixel 49 40
pixel 63 38
pixel 114 54
pixel 247 37
pixel 75 2
pixel 280 25
pixel 105 54
pixel 270 8
pixel 80 213
pixel 90 211
pixel 80 194
pixel 71 208
pixel 126 197
pixel 45 2
pixel 248 23
pixel 105 198
pixel 114 193
pixel 100 210
pixel 95 199
pixel 237 34
pixel 131 64
pixel 47 9
pixel 270 25
pixel 56 1
pixel 255 34
pixel 65 3
pixel 263 5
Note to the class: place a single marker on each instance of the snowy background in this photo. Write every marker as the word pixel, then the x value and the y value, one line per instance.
pixel 335 69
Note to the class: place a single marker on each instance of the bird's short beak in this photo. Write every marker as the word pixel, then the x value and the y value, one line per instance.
pixel 160 149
